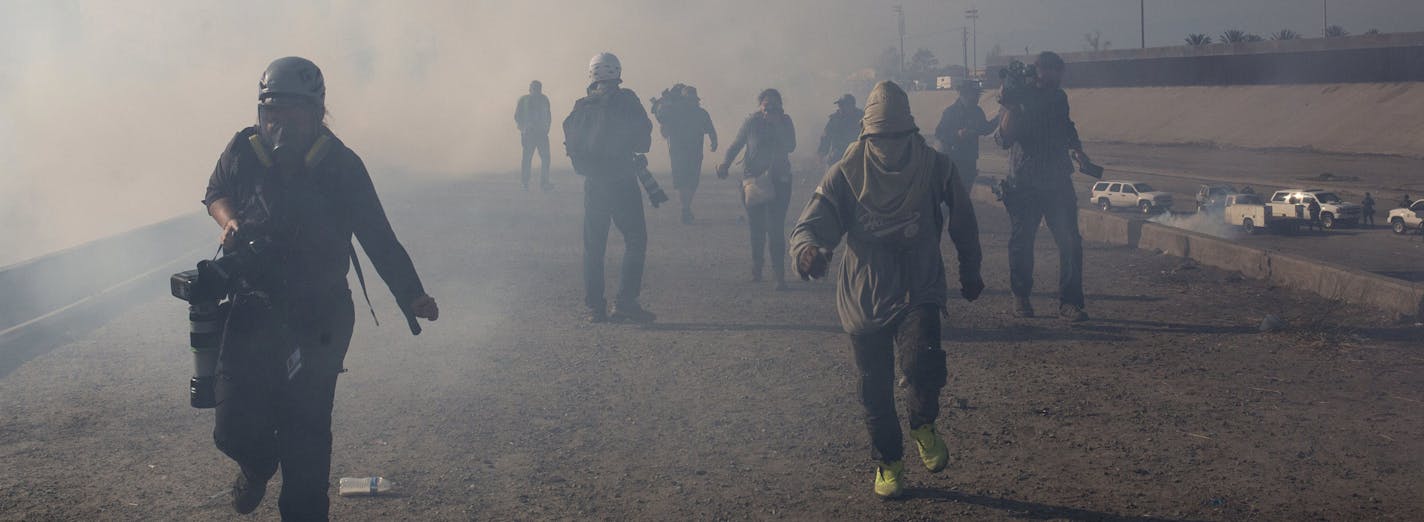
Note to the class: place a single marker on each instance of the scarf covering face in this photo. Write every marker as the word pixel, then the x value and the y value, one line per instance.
pixel 890 169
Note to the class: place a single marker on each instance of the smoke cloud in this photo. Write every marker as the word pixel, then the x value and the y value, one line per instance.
pixel 114 113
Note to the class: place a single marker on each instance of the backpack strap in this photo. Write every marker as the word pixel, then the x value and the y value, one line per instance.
pixel 361 278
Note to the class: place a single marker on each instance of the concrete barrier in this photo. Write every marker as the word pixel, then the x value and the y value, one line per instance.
pixel 1328 280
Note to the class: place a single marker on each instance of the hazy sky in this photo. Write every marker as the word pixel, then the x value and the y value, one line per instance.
pixel 112 113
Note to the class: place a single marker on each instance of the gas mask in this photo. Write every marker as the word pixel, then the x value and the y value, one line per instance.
pixel 288 140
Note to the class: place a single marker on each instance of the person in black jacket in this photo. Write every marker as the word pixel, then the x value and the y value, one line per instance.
pixel 605 137
pixel 291 181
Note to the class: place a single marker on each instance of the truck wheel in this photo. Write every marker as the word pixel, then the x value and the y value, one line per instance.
pixel 1145 206
pixel 1104 204
pixel 1249 225
pixel 1399 227
pixel 1327 220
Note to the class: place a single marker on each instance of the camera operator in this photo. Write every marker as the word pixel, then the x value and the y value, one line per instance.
pixel 1043 144
pixel 291 182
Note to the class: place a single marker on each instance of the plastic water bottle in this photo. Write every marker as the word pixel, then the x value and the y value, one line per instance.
pixel 363 486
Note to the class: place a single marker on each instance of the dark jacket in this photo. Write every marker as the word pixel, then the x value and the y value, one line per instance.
pixel 1043 135
pixel 769 143
pixel 684 124
pixel 532 114
pixel 842 128
pixel 958 116
pixel 605 130
pixel 311 218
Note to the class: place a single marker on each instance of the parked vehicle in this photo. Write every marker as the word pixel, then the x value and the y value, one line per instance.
pixel 1402 220
pixel 1252 214
pixel 1129 194
pixel 1213 197
pixel 1333 211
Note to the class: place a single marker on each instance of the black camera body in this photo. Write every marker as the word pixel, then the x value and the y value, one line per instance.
pixel 206 290
pixel 1018 78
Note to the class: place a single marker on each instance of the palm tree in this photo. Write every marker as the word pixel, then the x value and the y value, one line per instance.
pixel 1233 36
pixel 1198 40
pixel 1336 31
pixel 1285 34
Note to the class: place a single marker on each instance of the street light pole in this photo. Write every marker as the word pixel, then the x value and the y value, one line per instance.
pixel 1142 11
pixel 900 9
pixel 973 16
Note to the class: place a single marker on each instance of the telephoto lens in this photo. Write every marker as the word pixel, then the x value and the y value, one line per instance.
pixel 206 323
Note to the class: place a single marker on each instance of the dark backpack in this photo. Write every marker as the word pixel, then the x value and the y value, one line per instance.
pixel 600 131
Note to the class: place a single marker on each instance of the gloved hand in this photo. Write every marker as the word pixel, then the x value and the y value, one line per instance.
pixel 812 263
pixel 723 170
pixel 424 307
pixel 971 287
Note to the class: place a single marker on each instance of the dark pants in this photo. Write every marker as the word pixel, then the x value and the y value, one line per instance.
pixel 686 173
pixel 916 337
pixel 767 223
pixel 1059 209
pixel 533 141
pixel 619 200
pixel 269 418
pixel 968 169
pixel 1368 217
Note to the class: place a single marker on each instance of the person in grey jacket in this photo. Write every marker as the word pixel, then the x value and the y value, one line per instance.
pixel 884 198
pixel 769 138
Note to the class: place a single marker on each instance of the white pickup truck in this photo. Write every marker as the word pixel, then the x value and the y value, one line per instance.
pixel 1333 210
pixel 1251 214
pixel 1402 220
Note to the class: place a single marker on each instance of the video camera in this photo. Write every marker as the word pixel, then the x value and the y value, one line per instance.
pixel 1017 77
pixel 206 289
pixel 656 196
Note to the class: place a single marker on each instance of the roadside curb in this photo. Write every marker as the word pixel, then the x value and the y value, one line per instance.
pixel 1326 279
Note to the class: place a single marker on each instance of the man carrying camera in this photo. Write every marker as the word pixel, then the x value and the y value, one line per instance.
pixel 1043 144
pixel 605 137
pixel 288 183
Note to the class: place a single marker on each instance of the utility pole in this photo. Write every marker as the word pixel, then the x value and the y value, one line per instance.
pixel 1142 11
pixel 973 16
pixel 964 44
pixel 1325 16
pixel 900 9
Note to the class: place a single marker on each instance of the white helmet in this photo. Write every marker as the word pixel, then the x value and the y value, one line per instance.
pixel 604 66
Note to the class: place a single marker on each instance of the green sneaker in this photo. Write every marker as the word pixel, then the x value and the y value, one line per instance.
pixel 890 479
pixel 932 448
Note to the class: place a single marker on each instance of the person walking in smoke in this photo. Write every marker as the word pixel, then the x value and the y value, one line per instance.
pixel 683 123
pixel 291 183
pixel 533 118
pixel 605 137
pixel 1367 218
pixel 885 198
pixel 842 128
pixel 769 138
pixel 1043 144
pixel 960 126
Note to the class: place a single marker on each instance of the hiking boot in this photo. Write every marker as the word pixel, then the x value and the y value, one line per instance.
pixel 631 313
pixel 1072 313
pixel 686 216
pixel 596 315
pixel 890 479
pixel 932 449
pixel 1023 308
pixel 247 493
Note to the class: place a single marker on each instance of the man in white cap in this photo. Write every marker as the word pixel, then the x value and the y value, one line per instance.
pixel 884 197
pixel 605 137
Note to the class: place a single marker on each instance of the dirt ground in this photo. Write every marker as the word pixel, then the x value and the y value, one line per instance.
pixel 740 402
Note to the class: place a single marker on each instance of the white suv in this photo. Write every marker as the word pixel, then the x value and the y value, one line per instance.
pixel 1129 194
pixel 1402 220
pixel 1333 210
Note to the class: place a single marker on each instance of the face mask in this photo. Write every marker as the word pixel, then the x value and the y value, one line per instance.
pixel 288 141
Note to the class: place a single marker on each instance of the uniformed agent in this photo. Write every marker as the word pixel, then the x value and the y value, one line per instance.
pixel 842 128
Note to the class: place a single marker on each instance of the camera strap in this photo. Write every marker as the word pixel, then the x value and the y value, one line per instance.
pixel 361 278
